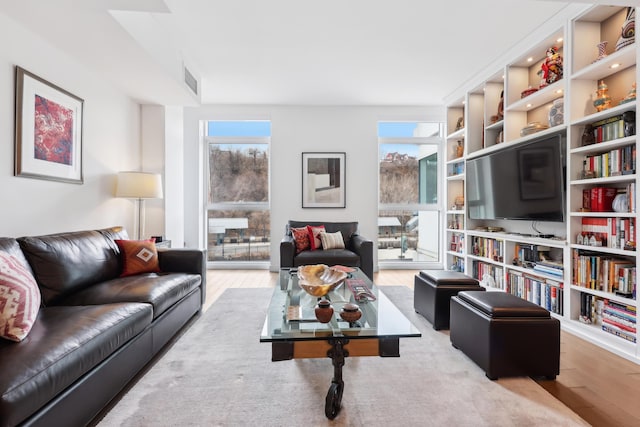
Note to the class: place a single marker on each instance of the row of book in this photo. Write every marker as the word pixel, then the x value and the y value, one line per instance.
pixel 457 264
pixel 619 233
pixel 604 273
pixel 488 248
pixel 543 292
pixel 608 129
pixel 488 274
pixel 619 161
pixel 613 317
pixel 550 267
pixel 598 199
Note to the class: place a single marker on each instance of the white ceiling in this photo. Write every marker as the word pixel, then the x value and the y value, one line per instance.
pixel 295 52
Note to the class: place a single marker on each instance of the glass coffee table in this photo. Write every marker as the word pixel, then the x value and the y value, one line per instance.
pixel 294 332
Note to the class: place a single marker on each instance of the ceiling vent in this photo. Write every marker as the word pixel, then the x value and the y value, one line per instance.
pixel 191 81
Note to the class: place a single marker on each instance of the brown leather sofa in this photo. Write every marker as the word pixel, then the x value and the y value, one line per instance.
pixel 95 330
pixel 358 250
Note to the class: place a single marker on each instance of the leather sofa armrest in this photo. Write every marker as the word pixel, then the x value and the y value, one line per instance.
pixel 181 260
pixel 364 248
pixel 287 251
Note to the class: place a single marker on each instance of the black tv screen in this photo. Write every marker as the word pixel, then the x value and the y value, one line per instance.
pixel 522 182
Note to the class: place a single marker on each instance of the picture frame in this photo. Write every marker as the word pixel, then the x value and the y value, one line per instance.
pixel 48 130
pixel 323 180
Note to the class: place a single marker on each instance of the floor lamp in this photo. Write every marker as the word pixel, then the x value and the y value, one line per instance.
pixel 139 186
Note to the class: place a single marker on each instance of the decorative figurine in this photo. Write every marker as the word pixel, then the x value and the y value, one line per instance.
pixel 628 33
pixel 501 106
pixel 552 66
pixel 629 119
pixel 631 96
pixel 603 100
pixel 460 148
pixel 556 113
pixel 602 50
pixel 588 137
pixel 460 123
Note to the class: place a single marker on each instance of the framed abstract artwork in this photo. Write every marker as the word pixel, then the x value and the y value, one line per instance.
pixel 48 130
pixel 323 180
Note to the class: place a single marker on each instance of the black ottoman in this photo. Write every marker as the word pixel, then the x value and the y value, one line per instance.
pixel 432 291
pixel 505 335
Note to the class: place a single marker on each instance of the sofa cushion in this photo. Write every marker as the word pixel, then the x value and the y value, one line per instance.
pixel 138 256
pixel 314 236
pixel 331 240
pixel 348 229
pixel 329 257
pixel 161 290
pixel 19 298
pixel 301 237
pixel 67 262
pixel 64 344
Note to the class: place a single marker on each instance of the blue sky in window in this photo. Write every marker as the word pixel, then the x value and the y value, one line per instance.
pixel 239 128
pixel 396 129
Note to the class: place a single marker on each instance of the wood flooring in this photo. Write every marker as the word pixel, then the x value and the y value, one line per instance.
pixel 604 389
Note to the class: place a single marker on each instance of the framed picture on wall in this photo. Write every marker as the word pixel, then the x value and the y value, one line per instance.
pixel 48 130
pixel 323 180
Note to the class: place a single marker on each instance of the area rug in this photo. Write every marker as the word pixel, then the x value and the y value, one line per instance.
pixel 219 374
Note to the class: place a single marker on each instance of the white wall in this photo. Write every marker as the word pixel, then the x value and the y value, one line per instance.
pixel 111 142
pixel 297 129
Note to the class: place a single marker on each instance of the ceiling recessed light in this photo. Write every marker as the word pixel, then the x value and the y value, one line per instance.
pixel 616 65
pixel 529 59
pixel 559 91
pixel 529 105
pixel 559 40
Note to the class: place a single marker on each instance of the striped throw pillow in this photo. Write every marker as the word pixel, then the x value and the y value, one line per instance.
pixel 331 240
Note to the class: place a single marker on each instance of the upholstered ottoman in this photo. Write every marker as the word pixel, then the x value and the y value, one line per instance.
pixel 505 335
pixel 432 291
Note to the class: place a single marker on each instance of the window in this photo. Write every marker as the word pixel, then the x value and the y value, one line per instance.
pixel 409 209
pixel 238 216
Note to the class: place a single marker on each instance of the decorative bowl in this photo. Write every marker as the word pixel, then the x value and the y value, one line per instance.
pixel 533 127
pixel 319 279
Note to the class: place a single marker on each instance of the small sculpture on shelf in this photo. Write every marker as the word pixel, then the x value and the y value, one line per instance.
pixel 500 114
pixel 459 149
pixel 556 112
pixel 629 120
pixel 603 100
pixel 631 96
pixel 602 50
pixel 588 136
pixel 628 33
pixel 552 66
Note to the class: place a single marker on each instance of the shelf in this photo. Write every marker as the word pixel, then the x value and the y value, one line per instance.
pixel 605 249
pixel 455 212
pixel 497 147
pixel 605 180
pixel 485 260
pixel 603 214
pixel 495 126
pixel 455 230
pixel 458 177
pixel 604 146
pixel 541 97
pixel 595 334
pixel 519 238
pixel 457 134
pixel 605 295
pixel 602 69
pixel 456 160
pixel 613 111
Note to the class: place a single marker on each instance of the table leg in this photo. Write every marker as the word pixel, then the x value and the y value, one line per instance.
pixel 337 353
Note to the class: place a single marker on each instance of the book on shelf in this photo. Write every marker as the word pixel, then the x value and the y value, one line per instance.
pixel 603 272
pixel 608 129
pixel 619 161
pixel 543 292
pixel 619 233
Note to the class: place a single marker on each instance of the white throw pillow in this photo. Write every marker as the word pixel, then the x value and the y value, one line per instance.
pixel 331 240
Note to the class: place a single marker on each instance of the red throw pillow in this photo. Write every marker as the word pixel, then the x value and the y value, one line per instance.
pixel 301 237
pixel 314 236
pixel 138 256
pixel 19 299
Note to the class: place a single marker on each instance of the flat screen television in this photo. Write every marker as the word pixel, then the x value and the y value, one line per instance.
pixel 522 182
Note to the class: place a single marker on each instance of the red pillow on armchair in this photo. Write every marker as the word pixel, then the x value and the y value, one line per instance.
pixel 314 236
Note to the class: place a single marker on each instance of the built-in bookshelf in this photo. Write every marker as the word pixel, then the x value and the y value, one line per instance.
pixel 585 275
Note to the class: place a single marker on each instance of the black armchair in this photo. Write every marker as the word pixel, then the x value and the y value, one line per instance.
pixel 358 251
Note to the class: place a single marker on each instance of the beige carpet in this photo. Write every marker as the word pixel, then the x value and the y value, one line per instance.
pixel 219 374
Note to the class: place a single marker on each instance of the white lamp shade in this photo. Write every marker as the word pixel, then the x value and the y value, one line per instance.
pixel 139 185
